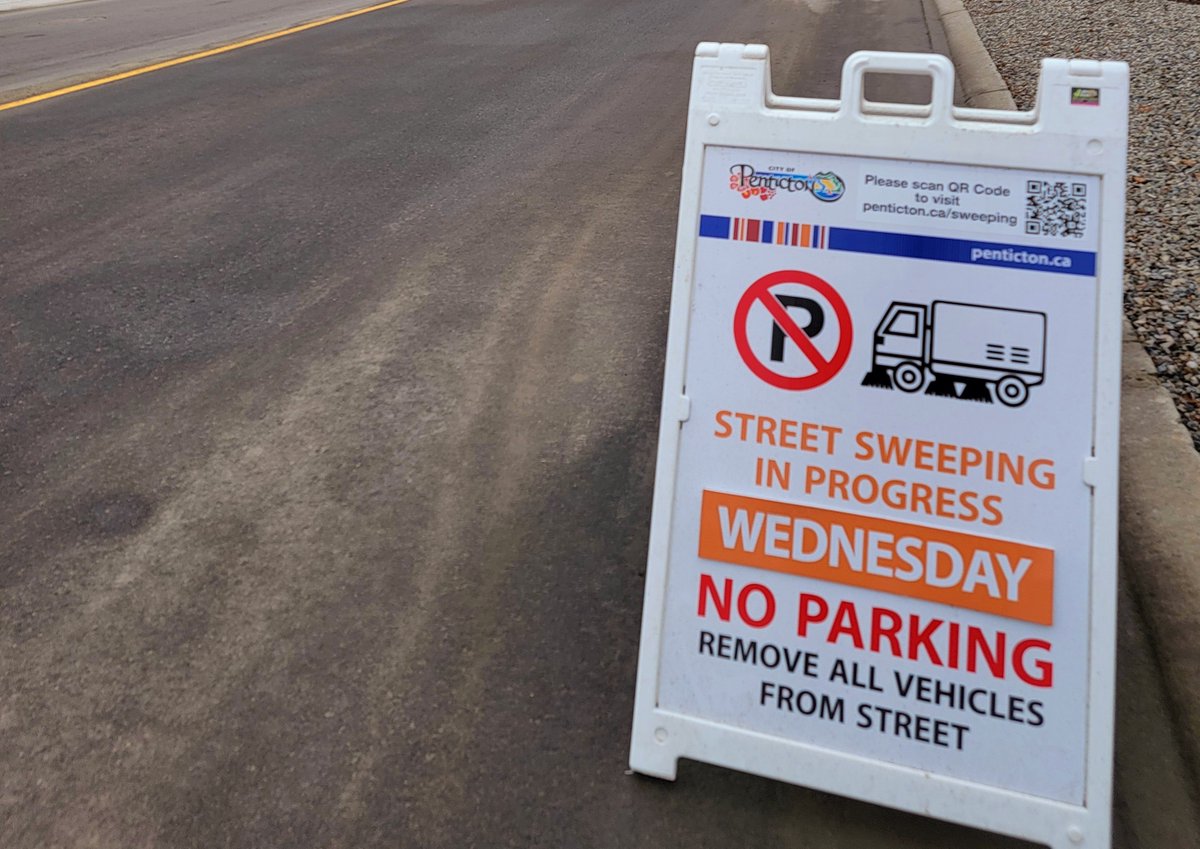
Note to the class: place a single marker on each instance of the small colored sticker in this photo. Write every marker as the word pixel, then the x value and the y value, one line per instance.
pixel 1085 97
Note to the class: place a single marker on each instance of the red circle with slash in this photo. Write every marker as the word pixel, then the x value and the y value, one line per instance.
pixel 760 292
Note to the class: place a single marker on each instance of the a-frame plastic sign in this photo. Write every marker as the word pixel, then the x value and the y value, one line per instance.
pixel 883 551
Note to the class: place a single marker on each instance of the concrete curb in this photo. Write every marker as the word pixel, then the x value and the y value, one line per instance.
pixel 1160 468
pixel 982 86
pixel 1160 537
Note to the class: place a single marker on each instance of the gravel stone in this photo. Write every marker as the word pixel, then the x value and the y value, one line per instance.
pixel 1160 39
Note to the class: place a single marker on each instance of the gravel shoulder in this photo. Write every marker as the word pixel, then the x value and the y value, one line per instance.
pixel 1161 41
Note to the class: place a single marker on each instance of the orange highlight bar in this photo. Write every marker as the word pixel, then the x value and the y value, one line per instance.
pixel 996 576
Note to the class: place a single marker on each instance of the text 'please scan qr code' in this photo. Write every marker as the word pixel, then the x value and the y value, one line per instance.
pixel 1055 208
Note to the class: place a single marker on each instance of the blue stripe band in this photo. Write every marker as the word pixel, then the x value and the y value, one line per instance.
pixel 714 226
pixel 963 250
pixel 938 248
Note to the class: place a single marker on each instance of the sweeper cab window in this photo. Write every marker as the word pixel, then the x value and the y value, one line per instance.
pixel 903 323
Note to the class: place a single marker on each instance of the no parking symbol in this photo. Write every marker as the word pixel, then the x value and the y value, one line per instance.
pixel 793 330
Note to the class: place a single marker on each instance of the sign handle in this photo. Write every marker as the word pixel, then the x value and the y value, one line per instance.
pixel 938 68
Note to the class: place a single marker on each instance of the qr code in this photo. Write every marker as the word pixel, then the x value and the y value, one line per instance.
pixel 1055 208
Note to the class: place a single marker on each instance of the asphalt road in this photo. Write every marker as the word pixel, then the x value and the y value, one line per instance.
pixel 327 420
pixel 66 43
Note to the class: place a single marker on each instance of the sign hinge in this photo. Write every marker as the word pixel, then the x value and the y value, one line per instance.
pixel 1091 469
pixel 683 408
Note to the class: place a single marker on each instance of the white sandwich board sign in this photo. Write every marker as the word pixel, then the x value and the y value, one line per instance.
pixel 883 550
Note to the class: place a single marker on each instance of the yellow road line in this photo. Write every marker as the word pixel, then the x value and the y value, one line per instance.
pixel 192 57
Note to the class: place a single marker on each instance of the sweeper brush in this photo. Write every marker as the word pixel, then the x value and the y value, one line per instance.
pixel 942 387
pixel 879 378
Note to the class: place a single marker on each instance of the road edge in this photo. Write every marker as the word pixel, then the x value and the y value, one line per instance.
pixel 1159 516
pixel 22 5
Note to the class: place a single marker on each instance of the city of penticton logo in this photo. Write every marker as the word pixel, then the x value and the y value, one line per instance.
pixel 745 180
pixel 827 186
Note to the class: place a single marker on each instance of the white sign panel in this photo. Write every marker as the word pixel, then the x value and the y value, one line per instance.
pixel 883 548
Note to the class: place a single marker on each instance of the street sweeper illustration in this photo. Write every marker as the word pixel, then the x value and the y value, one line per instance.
pixel 965 351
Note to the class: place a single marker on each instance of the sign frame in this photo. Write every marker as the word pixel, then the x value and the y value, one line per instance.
pixel 732 105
